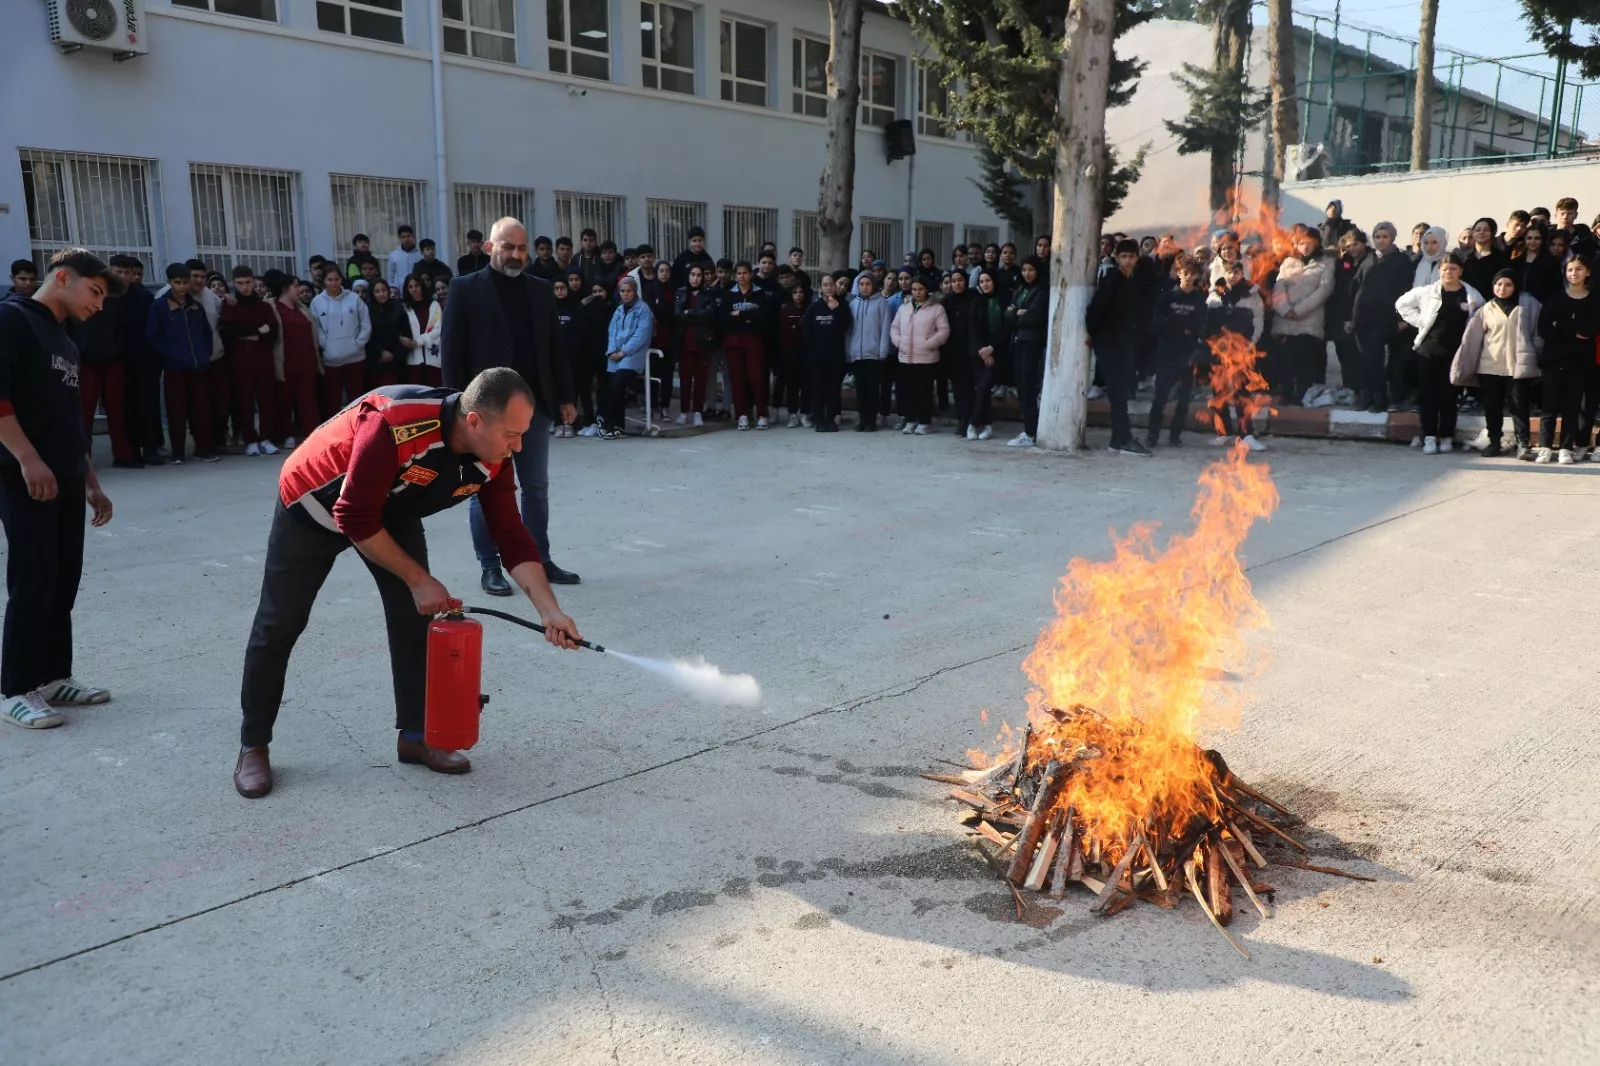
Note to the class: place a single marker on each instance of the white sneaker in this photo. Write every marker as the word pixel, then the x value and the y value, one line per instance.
pixel 682 419
pixel 794 421
pixel 986 432
pixel 1594 455
pixel 1430 445
pixel 1544 455
pixel 908 429
pixel 762 423
pixel 70 692
pixel 806 423
pixel 698 420
pixel 268 448
pixel 895 422
pixel 289 444
pixel 1416 442
pixel 1446 445
pixel 1095 393
pixel 30 711
pixel 921 430
pixel 1021 440
pixel 1565 457
pixel 1480 442
pixel 972 433
pixel 1253 444
pixel 252 449
pixel 1221 442
pixel 744 421
pixel 591 430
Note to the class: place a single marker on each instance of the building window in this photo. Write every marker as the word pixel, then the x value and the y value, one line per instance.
pixel 244 216
pixel 939 236
pixel 746 229
pixel 666 45
pixel 810 76
pixel 98 202
pixel 744 63
pixel 479 207
pixel 379 20
pixel 668 223
pixel 984 235
pixel 266 10
pixel 482 29
pixel 933 105
pixel 580 38
pixel 606 215
pixel 881 236
pixel 376 207
pixel 806 234
pixel 879 74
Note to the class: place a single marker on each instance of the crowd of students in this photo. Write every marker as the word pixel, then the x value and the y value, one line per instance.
pixel 253 363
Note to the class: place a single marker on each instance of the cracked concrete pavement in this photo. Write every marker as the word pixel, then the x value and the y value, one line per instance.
pixel 628 877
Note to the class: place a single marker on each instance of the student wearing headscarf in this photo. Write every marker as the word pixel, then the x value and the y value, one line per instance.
pixel 1435 243
pixel 1498 352
pixel 1029 319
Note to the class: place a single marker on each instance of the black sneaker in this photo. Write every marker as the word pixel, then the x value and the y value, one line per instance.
pixel 1150 441
pixel 1493 451
pixel 1133 447
pixel 128 464
pixel 1174 442
pixel 154 458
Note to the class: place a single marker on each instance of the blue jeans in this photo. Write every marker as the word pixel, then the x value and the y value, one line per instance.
pixel 532 464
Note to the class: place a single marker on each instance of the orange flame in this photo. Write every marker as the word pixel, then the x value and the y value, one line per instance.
pixel 1236 381
pixel 1267 244
pixel 1143 638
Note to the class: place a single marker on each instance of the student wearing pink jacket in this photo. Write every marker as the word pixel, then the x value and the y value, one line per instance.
pixel 919 330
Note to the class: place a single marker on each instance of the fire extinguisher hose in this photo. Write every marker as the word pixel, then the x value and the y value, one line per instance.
pixel 524 622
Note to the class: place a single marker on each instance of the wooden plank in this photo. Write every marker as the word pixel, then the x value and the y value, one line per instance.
pixel 1119 872
pixel 1323 870
pixel 1218 890
pixel 1244 882
pixel 1269 827
pixel 1042 861
pixel 1243 837
pixel 1050 786
pixel 1194 886
pixel 1068 842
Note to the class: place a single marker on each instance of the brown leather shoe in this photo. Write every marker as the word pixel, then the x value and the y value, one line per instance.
pixel 252 775
pixel 438 760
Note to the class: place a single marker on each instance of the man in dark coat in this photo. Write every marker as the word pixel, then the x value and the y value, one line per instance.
pixel 502 316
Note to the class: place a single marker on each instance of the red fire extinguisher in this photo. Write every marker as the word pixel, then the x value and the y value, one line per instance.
pixel 455 666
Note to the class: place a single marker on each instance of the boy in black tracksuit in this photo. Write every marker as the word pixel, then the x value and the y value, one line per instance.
pixel 1180 319
pixel 571 320
pixel 826 326
pixel 1116 322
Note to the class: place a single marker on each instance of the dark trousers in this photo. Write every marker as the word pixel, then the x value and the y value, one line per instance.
pixel 795 395
pixel 1563 398
pixel 221 380
pixel 866 372
pixel 255 392
pixel 142 406
pixel 299 557
pixel 981 401
pixel 189 409
pixel 532 466
pixel 1436 397
pixel 1591 405
pixel 1402 365
pixel 1371 373
pixel 586 368
pixel 747 369
pixel 1497 393
pixel 1171 378
pixel 1117 367
pixel 888 372
pixel 661 371
pixel 916 398
pixel 960 371
pixel 44 563
pixel 342 385
pixel 692 390
pixel 1299 358
pixel 827 384
pixel 96 383
pixel 615 413
pixel 296 410
pixel 1029 360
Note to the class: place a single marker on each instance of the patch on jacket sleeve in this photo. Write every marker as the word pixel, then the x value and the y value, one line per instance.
pixel 418 475
pixel 413 430
pixel 468 489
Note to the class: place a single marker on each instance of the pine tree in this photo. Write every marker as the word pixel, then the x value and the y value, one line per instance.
pixel 1222 105
pixel 1567 29
pixel 1002 190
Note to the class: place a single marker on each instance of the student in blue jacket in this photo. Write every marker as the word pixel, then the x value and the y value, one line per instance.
pixel 627 348
pixel 178 332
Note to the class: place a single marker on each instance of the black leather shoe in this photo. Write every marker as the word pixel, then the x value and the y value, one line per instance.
pixel 495 583
pixel 557 576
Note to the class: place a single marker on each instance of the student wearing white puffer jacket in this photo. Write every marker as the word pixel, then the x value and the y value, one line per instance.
pixel 425 316
pixel 1299 298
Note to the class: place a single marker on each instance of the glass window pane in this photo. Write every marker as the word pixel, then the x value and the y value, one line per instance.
pixel 752 52
pixel 798 65
pixel 555 12
pixel 558 60
pixel 388 5
pixel 330 17
pixel 492 15
pixel 585 65
pixel 677 36
pixel 376 26
pixel 455 40
pixel 677 81
pixel 816 67
pixel 492 46
pixel 727 89
pixel 725 47
pixel 266 10
pixel 647 31
pixel 754 95
pixel 591 26
pixel 210 218
pixel 649 73
pixel 452 10
pixel 44 190
pixel 817 105
pixel 203 5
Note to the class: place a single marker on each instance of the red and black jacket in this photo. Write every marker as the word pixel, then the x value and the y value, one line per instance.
pixel 385 460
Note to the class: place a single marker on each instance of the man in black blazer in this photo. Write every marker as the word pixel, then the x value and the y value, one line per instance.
pixel 503 316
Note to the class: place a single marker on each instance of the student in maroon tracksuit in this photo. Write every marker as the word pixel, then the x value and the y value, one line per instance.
pixel 250 331
pixel 743 312
pixel 296 366
pixel 368 477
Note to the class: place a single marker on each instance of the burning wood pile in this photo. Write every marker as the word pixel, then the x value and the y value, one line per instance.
pixel 1114 793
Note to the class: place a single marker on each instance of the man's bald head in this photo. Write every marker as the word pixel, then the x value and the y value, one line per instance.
pixel 508 247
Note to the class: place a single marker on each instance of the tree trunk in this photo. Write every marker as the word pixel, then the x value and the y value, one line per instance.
pixel 1229 30
pixel 1422 101
pixel 1281 71
pixel 836 200
pixel 1075 236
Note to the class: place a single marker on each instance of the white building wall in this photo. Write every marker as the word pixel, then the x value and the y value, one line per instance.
pixel 220 89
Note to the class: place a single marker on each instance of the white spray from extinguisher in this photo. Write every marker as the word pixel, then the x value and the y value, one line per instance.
pixel 700 679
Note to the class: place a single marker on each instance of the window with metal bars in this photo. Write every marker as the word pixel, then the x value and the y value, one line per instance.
pixel 810 76
pixel 938 236
pixel 99 202
pixel 483 29
pixel 266 10
pixel 479 207
pixel 880 83
pixel 882 237
pixel 666 47
pixel 984 235
pixel 669 222
pixel 579 32
pixel 606 215
pixel 378 20
pixel 746 229
pixel 374 206
pixel 245 216
pixel 933 104
pixel 744 62
pixel 805 233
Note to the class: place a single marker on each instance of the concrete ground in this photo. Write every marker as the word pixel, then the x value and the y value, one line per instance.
pixel 629 878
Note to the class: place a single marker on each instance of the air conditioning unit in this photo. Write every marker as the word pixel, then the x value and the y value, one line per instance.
pixel 115 26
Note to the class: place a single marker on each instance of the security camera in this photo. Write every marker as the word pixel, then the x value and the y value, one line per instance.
pixel 573 90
